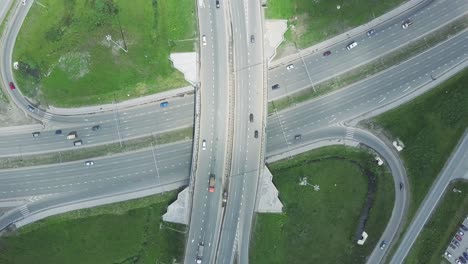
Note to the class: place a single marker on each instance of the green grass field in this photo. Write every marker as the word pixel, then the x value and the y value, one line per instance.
pixel 127 232
pixel 317 20
pixel 65 59
pixel 430 126
pixel 439 230
pixel 319 226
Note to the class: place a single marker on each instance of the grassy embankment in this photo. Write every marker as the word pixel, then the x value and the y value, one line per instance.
pixel 430 126
pixel 311 22
pixel 441 227
pixel 126 232
pixel 65 59
pixel 319 226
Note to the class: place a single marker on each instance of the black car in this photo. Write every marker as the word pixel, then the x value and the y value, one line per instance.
pixel 36 134
pixel 251 118
pixel 298 136
pixel 58 132
pixel 464 227
pixel 217 3
pixel 327 53
pixel 96 127
pixel 256 134
pixel 275 86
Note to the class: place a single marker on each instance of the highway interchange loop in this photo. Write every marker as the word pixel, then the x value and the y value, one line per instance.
pixel 324 118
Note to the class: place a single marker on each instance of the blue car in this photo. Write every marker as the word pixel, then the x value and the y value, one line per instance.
pixel 465 255
pixel 164 104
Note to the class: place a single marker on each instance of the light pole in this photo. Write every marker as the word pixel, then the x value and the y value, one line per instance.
pixel 109 38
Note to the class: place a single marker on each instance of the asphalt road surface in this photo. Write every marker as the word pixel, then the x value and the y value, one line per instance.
pixel 206 206
pixel 247 148
pixel 388 36
pixel 158 166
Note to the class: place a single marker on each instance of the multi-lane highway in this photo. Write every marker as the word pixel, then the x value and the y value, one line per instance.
pixel 388 36
pixel 332 110
pixel 213 124
pixel 247 153
pixel 115 126
pixel 160 165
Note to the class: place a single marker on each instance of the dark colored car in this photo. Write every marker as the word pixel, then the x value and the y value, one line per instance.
pixel 298 136
pixel 275 86
pixel 36 134
pixel 370 32
pixel 327 53
pixel 252 39
pixel 464 227
pixel 456 243
pixel 31 109
pixel 251 118
pixel 462 259
pixel 401 185
pixel 465 255
pixel 256 134
pixel 164 104
pixel 217 3
pixel 58 132
pixel 12 86
pixel 96 127
pixel 453 246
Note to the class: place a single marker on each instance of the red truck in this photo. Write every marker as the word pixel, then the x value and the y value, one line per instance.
pixel 212 183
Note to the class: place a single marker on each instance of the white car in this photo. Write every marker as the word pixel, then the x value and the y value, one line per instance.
pixel 204 144
pixel 379 160
pixel 89 163
pixel 204 40
pixel 290 67
pixel 397 146
pixel 448 254
pixel 351 45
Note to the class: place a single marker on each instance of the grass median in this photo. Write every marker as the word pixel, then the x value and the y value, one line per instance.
pixel 430 126
pixel 65 58
pixel 98 151
pixel 126 232
pixel 311 22
pixel 319 226
pixel 373 67
pixel 441 226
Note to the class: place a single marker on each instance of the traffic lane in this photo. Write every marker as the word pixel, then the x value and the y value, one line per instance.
pixel 395 164
pixel 322 67
pixel 212 125
pixel 97 178
pixel 49 201
pixel 456 165
pixel 384 151
pixel 368 94
pixel 122 128
pixel 73 175
pixel 139 112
